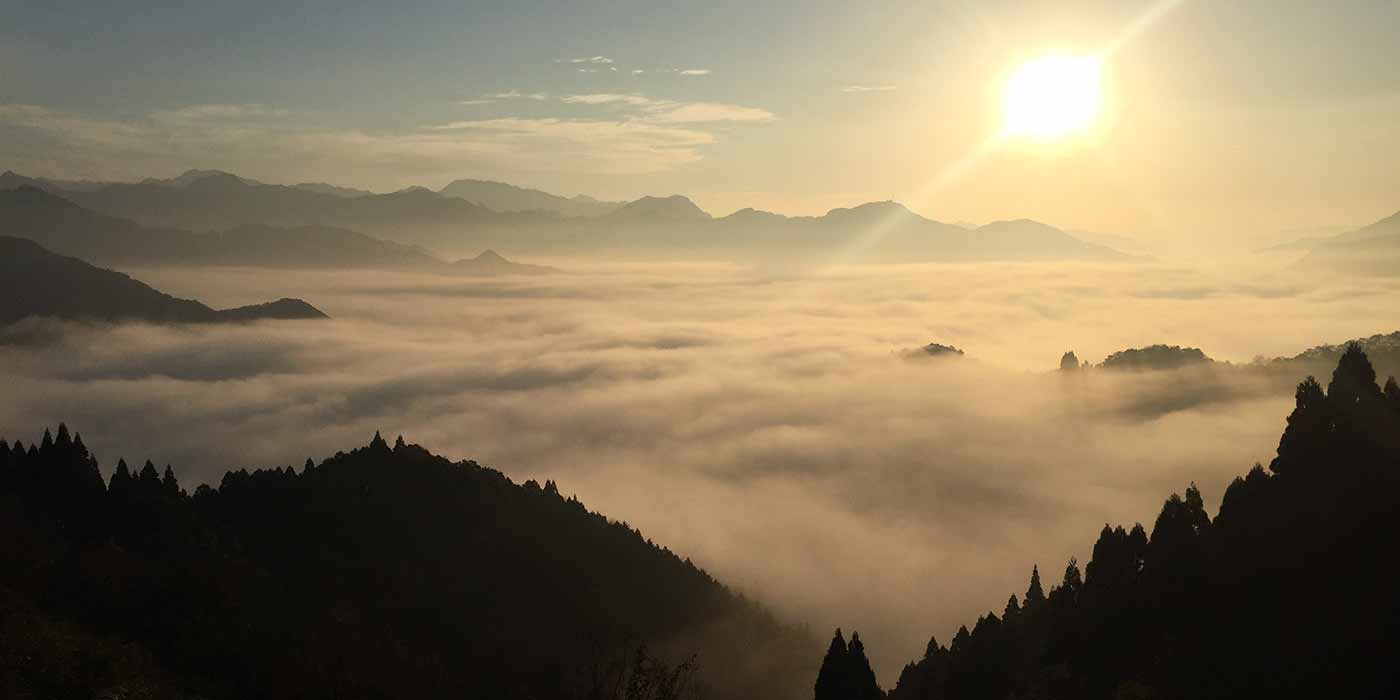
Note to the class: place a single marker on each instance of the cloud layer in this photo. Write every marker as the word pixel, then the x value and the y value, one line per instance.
pixel 651 136
pixel 758 421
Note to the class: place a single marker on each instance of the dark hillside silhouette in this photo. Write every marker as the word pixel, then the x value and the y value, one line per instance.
pixel 1287 593
pixel 931 350
pixel 36 282
pixel 1154 357
pixel 384 572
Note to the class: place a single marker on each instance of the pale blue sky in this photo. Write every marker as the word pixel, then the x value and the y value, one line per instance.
pixel 1222 116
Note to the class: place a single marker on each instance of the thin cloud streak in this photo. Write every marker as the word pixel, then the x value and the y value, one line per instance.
pixel 261 141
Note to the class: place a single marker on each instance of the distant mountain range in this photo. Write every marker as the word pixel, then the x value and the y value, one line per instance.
pixel 36 282
pixel 539 222
pixel 503 197
pixel 67 228
pixel 1373 249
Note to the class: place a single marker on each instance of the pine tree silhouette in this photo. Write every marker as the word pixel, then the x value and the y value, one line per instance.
pixel 832 683
pixel 1035 595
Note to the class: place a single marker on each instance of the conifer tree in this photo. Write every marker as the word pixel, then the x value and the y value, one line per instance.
pixel 1035 594
pixel 861 678
pixel 169 483
pixel 831 677
pixel 933 648
pixel 1354 379
pixel 1392 393
pixel 121 477
pixel 1013 607
pixel 1069 362
pixel 1305 438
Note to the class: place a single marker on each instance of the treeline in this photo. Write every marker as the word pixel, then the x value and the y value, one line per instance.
pixel 1290 592
pixel 386 572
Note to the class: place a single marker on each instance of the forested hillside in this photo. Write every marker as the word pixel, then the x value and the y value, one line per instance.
pixel 385 572
pixel 1288 592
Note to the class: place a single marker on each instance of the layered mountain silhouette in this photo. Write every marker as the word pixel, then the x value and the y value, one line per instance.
pixel 383 572
pixel 672 209
pixel 490 262
pixel 647 227
pixel 37 283
pixel 503 197
pixel 1373 249
pixel 65 227
pixel 1288 592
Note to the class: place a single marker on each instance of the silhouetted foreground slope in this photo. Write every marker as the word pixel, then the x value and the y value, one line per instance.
pixel 1288 592
pixel 387 572
pixel 35 282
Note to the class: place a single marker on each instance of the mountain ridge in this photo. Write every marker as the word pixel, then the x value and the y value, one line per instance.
pixel 68 228
pixel 648 226
pixel 38 283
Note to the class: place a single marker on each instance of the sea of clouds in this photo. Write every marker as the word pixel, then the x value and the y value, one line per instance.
pixel 761 422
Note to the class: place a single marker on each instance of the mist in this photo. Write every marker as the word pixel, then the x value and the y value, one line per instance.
pixel 762 422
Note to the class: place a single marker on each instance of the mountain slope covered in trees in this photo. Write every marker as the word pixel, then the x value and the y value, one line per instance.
pixel 1288 592
pixel 36 282
pixel 384 572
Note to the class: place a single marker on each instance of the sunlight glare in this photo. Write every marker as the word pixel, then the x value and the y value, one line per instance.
pixel 1052 97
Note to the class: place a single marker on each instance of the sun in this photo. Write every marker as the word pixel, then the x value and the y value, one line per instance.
pixel 1052 97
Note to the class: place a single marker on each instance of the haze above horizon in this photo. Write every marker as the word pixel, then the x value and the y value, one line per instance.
pixel 1211 125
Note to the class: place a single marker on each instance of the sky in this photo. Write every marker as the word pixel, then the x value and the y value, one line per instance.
pixel 1221 122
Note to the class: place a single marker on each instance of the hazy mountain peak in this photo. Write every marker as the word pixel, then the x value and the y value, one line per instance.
pixel 754 214
pixel 1019 224
pixel 489 262
pixel 505 197
pixel 888 206
pixel 327 188
pixel 11 180
pixel 675 206
pixel 37 282
pixel 214 180
pixel 35 196
pixel 286 308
